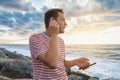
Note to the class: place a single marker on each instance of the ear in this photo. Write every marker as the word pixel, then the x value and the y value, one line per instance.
pixel 52 18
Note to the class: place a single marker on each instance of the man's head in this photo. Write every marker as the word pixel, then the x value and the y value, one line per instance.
pixel 56 14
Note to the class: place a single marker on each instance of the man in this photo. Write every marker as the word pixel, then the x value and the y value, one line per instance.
pixel 48 50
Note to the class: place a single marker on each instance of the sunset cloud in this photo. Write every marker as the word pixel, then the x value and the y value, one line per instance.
pixel 22 18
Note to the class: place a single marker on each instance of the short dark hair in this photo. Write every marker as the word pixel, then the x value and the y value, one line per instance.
pixel 51 13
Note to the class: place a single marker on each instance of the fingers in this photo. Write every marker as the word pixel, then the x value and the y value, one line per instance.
pixel 53 28
pixel 86 59
pixel 53 23
pixel 84 65
pixel 82 59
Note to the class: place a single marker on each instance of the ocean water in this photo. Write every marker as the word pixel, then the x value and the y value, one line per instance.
pixel 107 58
pixel 19 48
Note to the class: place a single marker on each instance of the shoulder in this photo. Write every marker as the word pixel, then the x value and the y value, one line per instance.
pixel 35 36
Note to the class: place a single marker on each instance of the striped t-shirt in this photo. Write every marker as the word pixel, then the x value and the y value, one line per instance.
pixel 39 43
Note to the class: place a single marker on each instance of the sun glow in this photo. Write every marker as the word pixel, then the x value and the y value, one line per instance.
pixel 109 36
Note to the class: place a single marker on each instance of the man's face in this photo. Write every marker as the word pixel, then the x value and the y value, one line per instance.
pixel 61 22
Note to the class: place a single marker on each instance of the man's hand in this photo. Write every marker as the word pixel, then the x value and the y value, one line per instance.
pixel 53 28
pixel 82 63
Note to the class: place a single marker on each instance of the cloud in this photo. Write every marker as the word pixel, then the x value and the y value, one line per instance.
pixel 92 23
pixel 110 4
pixel 20 5
pixel 85 7
pixel 71 7
pixel 25 17
pixel 11 38
pixel 95 15
pixel 97 7
pixel 19 21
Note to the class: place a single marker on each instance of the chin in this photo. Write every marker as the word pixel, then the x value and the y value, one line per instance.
pixel 61 32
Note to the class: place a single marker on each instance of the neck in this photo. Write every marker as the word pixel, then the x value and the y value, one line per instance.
pixel 47 32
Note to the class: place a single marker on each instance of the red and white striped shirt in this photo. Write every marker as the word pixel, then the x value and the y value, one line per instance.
pixel 39 43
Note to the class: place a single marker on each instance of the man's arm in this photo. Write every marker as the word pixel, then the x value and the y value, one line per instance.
pixel 80 62
pixel 69 63
pixel 50 58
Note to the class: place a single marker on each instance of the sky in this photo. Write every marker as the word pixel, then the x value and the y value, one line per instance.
pixel 88 21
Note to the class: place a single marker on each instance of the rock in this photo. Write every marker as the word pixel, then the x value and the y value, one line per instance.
pixel 77 75
pixel 2 55
pixel 94 78
pixel 4 78
pixel 4 51
pixel 14 55
pixel 14 65
pixel 17 69
pixel 73 75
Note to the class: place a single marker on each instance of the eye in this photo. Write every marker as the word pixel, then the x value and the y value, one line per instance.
pixel 63 19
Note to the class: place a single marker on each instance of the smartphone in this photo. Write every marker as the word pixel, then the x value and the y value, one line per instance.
pixel 92 63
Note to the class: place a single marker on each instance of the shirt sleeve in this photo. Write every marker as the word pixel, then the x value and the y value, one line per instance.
pixel 36 46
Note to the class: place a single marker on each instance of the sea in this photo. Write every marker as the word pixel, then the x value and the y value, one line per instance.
pixel 107 58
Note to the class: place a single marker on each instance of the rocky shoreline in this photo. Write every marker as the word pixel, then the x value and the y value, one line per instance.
pixel 14 66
